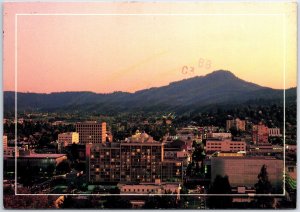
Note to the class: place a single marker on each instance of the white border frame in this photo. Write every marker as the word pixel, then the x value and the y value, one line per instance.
pixel 151 14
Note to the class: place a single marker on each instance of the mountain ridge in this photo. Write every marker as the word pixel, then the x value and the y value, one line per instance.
pixel 218 87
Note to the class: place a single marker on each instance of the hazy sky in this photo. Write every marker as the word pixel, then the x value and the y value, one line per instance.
pixel 106 53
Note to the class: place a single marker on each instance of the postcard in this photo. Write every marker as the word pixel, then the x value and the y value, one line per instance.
pixel 149 105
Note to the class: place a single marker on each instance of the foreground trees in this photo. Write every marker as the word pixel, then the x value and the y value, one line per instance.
pixel 263 188
pixel 220 186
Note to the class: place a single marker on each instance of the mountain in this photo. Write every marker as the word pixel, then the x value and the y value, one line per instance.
pixel 217 88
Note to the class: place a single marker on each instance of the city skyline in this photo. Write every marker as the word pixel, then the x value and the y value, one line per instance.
pixel 107 53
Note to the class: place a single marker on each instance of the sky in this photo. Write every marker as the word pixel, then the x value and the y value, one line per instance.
pixel 107 47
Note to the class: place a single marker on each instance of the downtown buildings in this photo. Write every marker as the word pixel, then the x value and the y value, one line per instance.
pixel 138 159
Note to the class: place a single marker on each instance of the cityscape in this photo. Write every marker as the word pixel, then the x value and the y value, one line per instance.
pixel 170 161
pixel 141 123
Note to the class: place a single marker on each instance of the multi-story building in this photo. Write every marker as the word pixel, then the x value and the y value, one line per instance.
pixel 103 162
pixel 141 159
pixel 5 142
pixel 260 134
pixel 226 145
pixel 274 132
pixel 172 171
pixel 237 123
pixel 67 138
pixel 243 171
pixel 137 159
pixel 91 132
pixel 265 149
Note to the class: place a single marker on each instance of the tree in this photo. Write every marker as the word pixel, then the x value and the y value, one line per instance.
pixel 263 186
pixel 234 131
pixel 198 157
pixel 50 169
pixel 162 202
pixel 117 202
pixel 220 186
pixel 63 167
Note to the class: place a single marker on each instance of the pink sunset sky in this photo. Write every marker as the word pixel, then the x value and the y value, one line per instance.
pixel 107 53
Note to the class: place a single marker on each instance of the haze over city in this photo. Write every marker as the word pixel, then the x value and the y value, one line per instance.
pixel 106 53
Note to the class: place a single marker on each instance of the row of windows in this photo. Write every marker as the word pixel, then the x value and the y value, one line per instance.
pixel 138 190
pixel 219 144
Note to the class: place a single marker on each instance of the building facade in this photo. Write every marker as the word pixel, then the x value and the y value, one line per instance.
pixel 260 134
pixel 91 132
pixel 153 188
pixel 222 135
pixel 5 141
pixel 274 132
pixel 225 146
pixel 104 163
pixel 243 171
pixel 69 138
pixel 137 159
pixel 237 123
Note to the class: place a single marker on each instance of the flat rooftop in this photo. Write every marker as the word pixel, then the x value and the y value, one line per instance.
pixel 52 156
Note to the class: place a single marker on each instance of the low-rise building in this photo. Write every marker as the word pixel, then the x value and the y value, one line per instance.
pixel 243 171
pixel 225 145
pixel 265 149
pixel 150 188
pixel 33 160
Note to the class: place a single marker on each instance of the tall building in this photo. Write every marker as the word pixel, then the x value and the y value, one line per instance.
pixel 141 159
pixel 137 159
pixel 91 132
pixel 237 123
pixel 260 134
